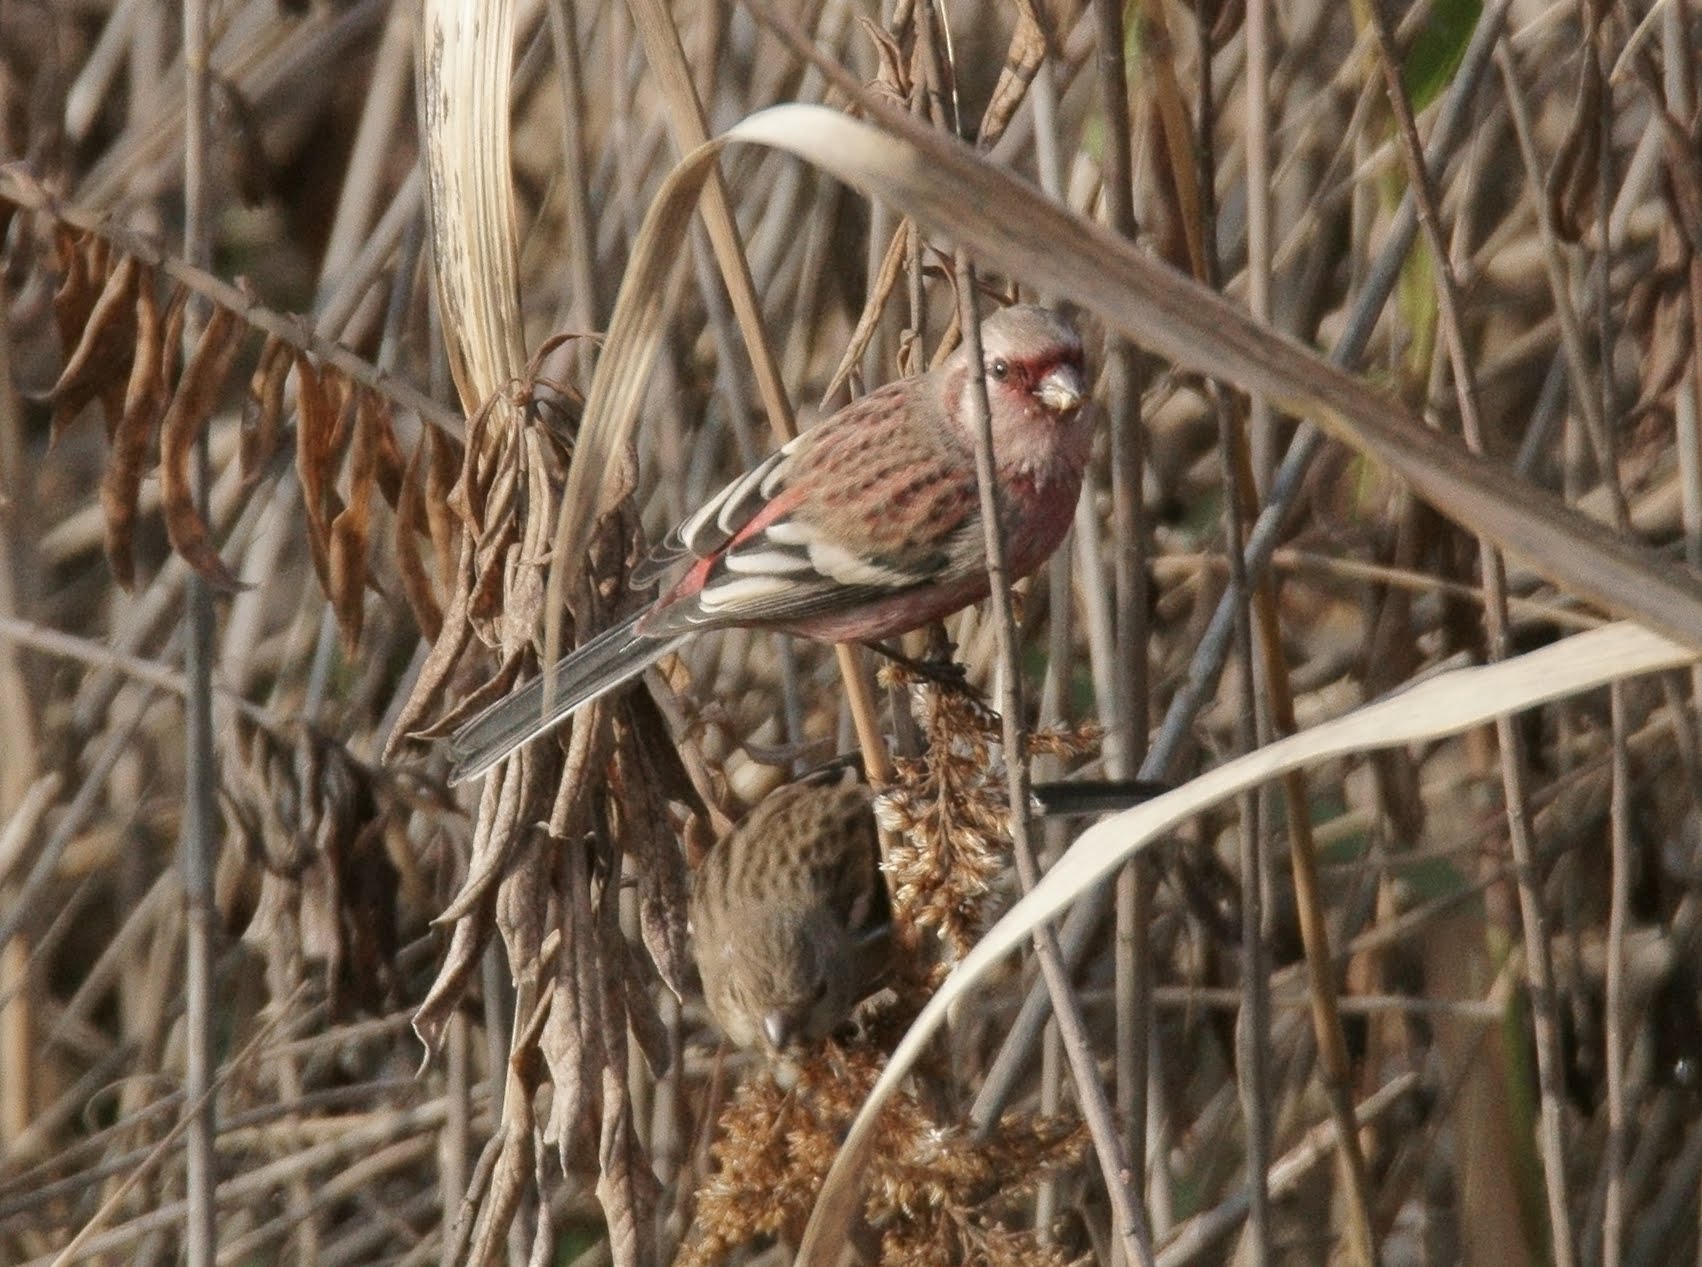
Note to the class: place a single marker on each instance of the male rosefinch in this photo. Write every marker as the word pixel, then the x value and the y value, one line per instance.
pixel 865 526
pixel 790 917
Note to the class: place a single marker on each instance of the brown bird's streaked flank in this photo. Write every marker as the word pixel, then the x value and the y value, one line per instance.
pixel 865 526
pixel 790 916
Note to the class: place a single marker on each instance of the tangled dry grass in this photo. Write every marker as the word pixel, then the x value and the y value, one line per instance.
pixel 1427 1004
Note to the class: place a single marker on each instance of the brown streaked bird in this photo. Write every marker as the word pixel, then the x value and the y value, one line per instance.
pixel 790 916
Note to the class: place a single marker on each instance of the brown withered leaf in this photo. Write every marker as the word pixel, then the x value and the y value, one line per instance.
pixel 387 452
pixel 519 918
pixel 461 962
pixel 317 404
pixel 81 279
pixel 315 822
pixel 144 402
pixel 522 913
pixel 263 411
pixel 443 465
pixel 480 697
pixel 191 407
pixel 572 1039
pixel 440 663
pixel 626 1185
pixel 488 599
pixel 892 80
pixel 641 982
pixel 350 529
pixel 648 836
pixel 512 1174
pixel 417 585
pixel 99 367
pixel 1658 312
pixel 1027 51
pixel 524 795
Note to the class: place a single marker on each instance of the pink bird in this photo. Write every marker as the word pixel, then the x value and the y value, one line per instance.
pixel 865 526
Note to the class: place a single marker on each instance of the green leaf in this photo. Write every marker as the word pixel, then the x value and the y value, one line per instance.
pixel 1437 48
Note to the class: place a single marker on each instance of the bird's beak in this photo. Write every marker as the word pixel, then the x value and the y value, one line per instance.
pixel 778 1028
pixel 1062 389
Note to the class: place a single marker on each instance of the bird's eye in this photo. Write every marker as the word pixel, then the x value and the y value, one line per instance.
pixel 1001 368
pixel 821 990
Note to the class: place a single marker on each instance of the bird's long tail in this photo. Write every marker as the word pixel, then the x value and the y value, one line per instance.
pixel 614 656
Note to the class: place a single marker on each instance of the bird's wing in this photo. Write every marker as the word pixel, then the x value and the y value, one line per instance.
pixel 849 513
pixel 720 519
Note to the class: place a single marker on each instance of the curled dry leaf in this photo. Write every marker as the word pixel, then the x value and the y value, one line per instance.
pixel 317 406
pixel 388 453
pixel 649 837
pixel 572 1040
pixel 263 411
pixel 626 1186
pixel 190 409
pixel 99 366
pixel 417 586
pixel 444 458
pixel 315 821
pixel 433 680
pixel 131 441
pixel 1658 315
pixel 1027 50
pixel 892 80
pixel 81 262
pixel 346 555
pixel 511 1176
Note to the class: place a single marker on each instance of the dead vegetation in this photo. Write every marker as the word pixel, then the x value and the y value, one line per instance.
pixel 1482 948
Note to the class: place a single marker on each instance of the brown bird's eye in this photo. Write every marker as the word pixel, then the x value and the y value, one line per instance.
pixel 1001 368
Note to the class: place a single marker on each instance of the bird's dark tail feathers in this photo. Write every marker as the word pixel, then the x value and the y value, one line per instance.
pixel 614 656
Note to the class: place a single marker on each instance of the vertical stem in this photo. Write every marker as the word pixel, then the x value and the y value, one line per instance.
pixel 1261 423
pixel 1254 1023
pixel 1126 738
pixel 200 821
pixel 1128 1221
pixel 1619 844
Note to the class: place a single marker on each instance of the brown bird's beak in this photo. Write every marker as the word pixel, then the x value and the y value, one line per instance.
pixel 779 1029
pixel 1062 390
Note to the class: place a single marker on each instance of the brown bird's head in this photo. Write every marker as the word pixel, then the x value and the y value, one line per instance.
pixel 793 979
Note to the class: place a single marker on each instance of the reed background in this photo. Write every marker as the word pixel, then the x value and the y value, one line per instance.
pixel 1513 913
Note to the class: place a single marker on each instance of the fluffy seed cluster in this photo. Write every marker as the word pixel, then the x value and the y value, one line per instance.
pixel 951 811
pixel 933 1194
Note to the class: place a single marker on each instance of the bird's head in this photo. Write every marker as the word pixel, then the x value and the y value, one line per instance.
pixel 796 982
pixel 1036 389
